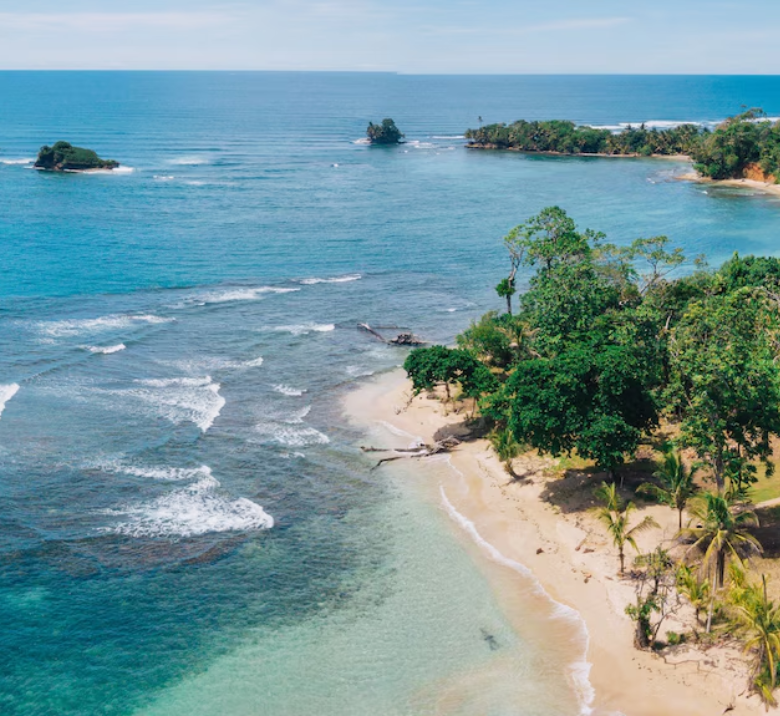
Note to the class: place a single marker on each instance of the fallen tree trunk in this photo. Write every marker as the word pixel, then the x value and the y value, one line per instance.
pixel 424 450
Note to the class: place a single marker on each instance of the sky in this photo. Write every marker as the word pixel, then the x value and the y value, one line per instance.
pixel 420 37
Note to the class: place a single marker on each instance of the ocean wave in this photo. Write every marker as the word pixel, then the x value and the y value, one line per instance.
pixel 195 400
pixel 288 391
pixel 306 328
pixel 239 294
pixel 164 474
pixel 455 136
pixel 356 371
pixel 417 144
pixel 17 162
pixel 292 436
pixel 336 279
pixel 362 140
pixel 74 327
pixel 6 393
pixel 105 350
pixel 193 510
pixel 190 160
pixel 580 670
pixel 164 177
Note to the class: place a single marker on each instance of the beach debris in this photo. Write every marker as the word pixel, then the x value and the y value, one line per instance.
pixel 402 339
pixel 539 551
pixel 421 450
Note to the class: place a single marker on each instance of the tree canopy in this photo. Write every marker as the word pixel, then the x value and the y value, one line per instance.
pixel 606 344
pixel 65 157
pixel 385 133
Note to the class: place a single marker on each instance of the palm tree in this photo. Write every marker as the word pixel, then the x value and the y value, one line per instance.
pixel 507 448
pixel 676 483
pixel 761 620
pixel 616 516
pixel 697 590
pixel 721 536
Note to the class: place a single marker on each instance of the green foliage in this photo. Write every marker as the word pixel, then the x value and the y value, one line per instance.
pixel 506 447
pixel 429 367
pixel 719 534
pixel 385 133
pixel 677 485
pixel 696 590
pixel 759 620
pixel 563 137
pixel 65 157
pixel 723 383
pixel 616 516
pixel 741 141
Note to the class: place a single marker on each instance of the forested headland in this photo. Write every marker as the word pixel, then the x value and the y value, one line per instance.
pixel 611 348
pixel 746 145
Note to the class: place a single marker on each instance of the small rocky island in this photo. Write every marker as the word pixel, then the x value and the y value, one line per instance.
pixel 64 157
pixel 385 133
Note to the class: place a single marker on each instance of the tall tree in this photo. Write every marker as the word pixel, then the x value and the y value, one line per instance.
pixel 725 382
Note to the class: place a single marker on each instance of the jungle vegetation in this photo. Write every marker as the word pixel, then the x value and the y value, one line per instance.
pixel 65 157
pixel 739 146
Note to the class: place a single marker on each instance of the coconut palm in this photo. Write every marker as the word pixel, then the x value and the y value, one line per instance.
pixel 676 483
pixel 760 619
pixel 616 516
pixel 507 448
pixel 720 535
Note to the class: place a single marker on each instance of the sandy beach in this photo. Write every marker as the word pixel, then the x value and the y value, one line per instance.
pixel 542 522
pixel 741 183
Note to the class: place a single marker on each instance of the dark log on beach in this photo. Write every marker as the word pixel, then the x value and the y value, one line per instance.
pixel 402 339
pixel 416 452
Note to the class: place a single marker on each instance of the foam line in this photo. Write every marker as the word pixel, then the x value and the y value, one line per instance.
pixel 580 670
pixel 6 393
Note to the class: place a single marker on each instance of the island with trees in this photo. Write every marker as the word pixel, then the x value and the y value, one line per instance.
pixel 64 157
pixel 384 133
pixel 614 350
pixel 746 146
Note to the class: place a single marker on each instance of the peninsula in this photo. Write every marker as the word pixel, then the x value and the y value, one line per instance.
pixel 637 429
pixel 746 146
pixel 64 157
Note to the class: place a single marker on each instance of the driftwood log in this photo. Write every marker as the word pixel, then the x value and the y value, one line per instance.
pixel 402 339
pixel 418 451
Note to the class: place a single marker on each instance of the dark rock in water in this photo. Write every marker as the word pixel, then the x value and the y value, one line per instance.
pixel 407 339
pixel 491 641
pixel 64 157
pixel 385 133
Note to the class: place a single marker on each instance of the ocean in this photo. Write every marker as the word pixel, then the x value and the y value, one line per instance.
pixel 187 524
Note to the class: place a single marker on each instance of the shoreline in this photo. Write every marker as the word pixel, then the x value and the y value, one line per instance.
pixel 601 155
pixel 517 525
pixel 762 186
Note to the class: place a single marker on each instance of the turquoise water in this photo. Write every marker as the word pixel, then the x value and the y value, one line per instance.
pixel 180 495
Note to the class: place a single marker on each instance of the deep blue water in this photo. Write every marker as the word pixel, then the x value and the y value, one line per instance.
pixel 137 484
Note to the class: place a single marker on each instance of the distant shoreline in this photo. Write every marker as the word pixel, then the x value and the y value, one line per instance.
pixel 739 183
pixel 603 155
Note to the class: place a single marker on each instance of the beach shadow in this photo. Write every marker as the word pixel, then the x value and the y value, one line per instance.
pixel 768 531
pixel 575 490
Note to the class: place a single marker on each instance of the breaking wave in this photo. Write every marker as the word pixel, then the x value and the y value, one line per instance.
pixel 195 400
pixel 193 510
pixel 292 436
pixel 77 326
pixel 288 391
pixel 337 279
pixel 306 328
pixel 106 350
pixel 6 393
pixel 239 294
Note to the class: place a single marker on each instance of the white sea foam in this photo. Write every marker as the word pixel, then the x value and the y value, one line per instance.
pixel 74 327
pixel 17 162
pixel 336 279
pixel 195 400
pixel 6 393
pixel 162 473
pixel 254 363
pixel 287 390
pixel 398 432
pixel 162 177
pixel 190 160
pixel 189 511
pixel 363 140
pixel 306 328
pixel 420 145
pixel 356 371
pixel 106 350
pixel 580 670
pixel 240 294
pixel 292 436
pixel 455 136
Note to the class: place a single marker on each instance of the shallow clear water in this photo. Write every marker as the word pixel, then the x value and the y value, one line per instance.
pixel 171 365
